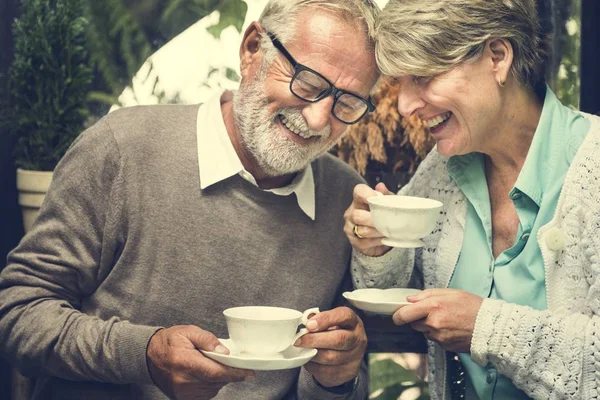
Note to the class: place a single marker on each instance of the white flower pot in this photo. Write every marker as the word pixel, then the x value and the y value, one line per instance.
pixel 32 186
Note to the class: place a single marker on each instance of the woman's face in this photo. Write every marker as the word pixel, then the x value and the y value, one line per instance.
pixel 461 107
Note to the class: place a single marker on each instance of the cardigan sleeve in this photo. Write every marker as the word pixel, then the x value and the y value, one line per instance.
pixel 555 354
pixel 399 267
pixel 547 356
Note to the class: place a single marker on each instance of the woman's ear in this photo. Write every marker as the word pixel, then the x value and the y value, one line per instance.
pixel 250 50
pixel 502 54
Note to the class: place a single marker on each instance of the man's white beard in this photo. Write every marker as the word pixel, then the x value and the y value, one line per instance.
pixel 275 153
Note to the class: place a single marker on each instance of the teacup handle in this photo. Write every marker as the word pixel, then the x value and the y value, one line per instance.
pixel 304 320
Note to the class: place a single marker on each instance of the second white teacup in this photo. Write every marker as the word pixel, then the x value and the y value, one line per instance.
pixel 265 331
pixel 404 220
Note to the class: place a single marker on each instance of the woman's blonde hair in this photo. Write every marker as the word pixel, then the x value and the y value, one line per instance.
pixel 428 37
pixel 281 16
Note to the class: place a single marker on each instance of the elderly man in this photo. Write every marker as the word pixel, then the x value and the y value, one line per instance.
pixel 161 217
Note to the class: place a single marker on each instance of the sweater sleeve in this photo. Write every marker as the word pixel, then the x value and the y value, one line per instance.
pixel 308 390
pixel 67 254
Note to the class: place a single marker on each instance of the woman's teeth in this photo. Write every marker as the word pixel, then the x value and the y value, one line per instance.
pixel 434 122
pixel 288 124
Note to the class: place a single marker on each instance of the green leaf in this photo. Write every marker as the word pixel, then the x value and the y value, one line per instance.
pixel 178 15
pixel 231 12
pixel 232 75
pixel 212 71
pixel 104 98
pixel 386 373
pixel 391 392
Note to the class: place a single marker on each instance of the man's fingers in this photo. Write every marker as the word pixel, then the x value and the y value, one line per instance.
pixel 202 368
pixel 204 340
pixel 350 334
pixel 342 317
pixel 334 357
pixel 219 373
pixel 339 340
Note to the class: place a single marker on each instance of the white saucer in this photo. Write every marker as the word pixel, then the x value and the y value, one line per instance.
pixel 292 357
pixel 380 301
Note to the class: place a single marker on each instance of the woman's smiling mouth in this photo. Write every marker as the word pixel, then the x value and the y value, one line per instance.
pixel 436 123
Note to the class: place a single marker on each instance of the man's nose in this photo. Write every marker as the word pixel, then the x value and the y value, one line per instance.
pixel 318 115
pixel 409 101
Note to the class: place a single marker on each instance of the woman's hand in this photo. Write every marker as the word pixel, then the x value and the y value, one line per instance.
pixel 446 316
pixel 365 238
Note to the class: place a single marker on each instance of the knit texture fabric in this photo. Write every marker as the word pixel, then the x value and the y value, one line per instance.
pixel 127 242
pixel 550 354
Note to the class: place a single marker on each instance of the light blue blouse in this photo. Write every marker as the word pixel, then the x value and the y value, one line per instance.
pixel 517 275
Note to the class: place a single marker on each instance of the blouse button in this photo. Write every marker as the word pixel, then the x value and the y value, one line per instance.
pixel 555 239
pixel 490 376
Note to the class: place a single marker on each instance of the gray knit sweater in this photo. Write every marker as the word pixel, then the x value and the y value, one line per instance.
pixel 126 242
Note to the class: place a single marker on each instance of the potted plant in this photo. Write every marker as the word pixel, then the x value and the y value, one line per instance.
pixel 49 80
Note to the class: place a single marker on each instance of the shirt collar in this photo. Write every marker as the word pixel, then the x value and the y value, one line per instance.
pixel 217 159
pixel 540 157
pixel 546 145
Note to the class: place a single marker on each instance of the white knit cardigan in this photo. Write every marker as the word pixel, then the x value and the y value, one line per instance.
pixel 550 354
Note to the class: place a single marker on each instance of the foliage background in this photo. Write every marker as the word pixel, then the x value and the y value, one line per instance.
pixel 123 34
pixel 383 147
pixel 49 81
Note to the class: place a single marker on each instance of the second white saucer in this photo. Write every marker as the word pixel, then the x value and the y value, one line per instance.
pixel 380 301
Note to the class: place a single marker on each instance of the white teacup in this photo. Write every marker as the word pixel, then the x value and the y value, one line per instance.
pixel 265 331
pixel 404 220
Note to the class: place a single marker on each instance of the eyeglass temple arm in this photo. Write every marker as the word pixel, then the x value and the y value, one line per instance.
pixel 282 49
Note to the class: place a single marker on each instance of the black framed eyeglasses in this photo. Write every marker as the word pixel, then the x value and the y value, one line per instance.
pixel 311 86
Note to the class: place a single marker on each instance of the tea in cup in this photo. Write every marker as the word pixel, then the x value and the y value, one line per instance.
pixel 265 331
pixel 404 220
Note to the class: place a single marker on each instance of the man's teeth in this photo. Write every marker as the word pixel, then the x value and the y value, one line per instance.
pixel 434 122
pixel 293 128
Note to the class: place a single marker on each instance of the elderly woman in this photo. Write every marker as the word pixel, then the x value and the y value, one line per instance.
pixel 512 270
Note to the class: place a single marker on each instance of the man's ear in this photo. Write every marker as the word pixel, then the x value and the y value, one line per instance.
pixel 250 51
pixel 502 55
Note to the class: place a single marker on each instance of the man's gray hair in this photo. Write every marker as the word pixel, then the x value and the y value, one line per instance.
pixel 427 37
pixel 280 18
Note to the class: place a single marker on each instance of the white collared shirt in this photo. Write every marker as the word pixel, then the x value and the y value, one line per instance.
pixel 217 159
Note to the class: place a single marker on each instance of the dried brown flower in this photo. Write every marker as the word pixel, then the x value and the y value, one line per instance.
pixel 384 140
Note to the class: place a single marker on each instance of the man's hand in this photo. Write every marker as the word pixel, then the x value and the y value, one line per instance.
pixel 181 371
pixel 339 335
pixel 359 223
pixel 446 316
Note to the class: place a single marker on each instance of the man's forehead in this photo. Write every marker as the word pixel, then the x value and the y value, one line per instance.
pixel 322 39
pixel 315 25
